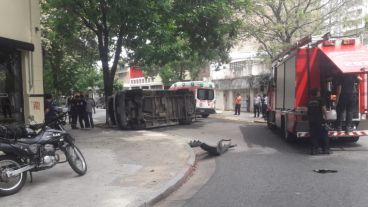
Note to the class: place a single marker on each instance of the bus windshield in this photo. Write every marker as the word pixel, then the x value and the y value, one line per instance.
pixel 205 94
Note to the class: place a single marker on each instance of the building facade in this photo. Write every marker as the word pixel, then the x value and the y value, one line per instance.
pixel 21 70
pixel 246 74
pixel 350 20
pixel 133 78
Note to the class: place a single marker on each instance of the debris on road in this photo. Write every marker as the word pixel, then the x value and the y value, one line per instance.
pixel 324 171
pixel 222 146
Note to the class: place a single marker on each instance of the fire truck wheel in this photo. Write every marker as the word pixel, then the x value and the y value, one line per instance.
pixel 286 135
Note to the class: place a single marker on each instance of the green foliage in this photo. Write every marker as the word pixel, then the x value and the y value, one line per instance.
pixel 117 86
pixel 69 60
pixel 276 24
pixel 185 36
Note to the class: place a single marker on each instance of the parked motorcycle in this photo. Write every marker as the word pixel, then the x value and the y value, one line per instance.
pixel 34 148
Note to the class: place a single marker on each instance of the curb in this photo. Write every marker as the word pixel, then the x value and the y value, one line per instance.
pixel 174 183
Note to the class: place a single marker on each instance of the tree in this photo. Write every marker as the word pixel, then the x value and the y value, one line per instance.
pixel 276 23
pixel 113 23
pixel 187 37
pixel 67 57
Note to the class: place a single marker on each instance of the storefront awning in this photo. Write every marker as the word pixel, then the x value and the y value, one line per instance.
pixel 16 44
pixel 348 58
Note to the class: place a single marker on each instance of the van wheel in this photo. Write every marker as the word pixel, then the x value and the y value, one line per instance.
pixel 205 115
pixel 350 139
pixel 354 139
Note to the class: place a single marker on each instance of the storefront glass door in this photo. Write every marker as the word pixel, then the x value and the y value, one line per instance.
pixel 11 99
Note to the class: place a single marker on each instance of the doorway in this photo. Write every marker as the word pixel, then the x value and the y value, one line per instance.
pixel 11 98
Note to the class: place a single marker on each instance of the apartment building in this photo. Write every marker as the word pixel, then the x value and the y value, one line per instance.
pixel 245 75
pixel 350 20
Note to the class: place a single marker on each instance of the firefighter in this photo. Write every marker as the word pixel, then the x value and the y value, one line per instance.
pixel 316 116
pixel 346 98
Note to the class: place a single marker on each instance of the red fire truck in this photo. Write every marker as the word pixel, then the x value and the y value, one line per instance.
pixel 316 63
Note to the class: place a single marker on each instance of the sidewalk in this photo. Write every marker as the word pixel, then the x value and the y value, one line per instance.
pixel 125 168
pixel 243 117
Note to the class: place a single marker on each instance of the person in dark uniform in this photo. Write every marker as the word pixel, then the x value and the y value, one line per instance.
pixel 346 98
pixel 69 104
pixel 318 133
pixel 81 110
pixel 50 113
pixel 74 111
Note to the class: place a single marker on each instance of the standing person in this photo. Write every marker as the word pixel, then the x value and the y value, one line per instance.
pixel 257 105
pixel 90 105
pixel 50 113
pixel 81 110
pixel 237 104
pixel 316 114
pixel 69 105
pixel 264 106
pixel 346 98
pixel 74 111
pixel 261 105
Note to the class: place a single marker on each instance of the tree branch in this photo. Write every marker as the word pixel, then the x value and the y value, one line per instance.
pixel 118 50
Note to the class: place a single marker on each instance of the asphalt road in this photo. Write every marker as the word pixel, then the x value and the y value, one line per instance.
pixel 265 171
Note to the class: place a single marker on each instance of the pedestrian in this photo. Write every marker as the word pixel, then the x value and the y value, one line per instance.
pixel 90 105
pixel 50 113
pixel 316 117
pixel 74 111
pixel 346 98
pixel 6 107
pixel 81 110
pixel 257 105
pixel 69 105
pixel 264 106
pixel 237 104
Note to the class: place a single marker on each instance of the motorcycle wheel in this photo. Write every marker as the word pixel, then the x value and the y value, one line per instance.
pixel 76 159
pixel 10 185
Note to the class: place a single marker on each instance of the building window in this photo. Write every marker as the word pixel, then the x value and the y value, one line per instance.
pixel 205 94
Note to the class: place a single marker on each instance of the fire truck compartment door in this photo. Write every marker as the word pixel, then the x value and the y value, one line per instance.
pixel 348 58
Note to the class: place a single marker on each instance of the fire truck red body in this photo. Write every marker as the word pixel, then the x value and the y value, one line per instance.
pixel 316 63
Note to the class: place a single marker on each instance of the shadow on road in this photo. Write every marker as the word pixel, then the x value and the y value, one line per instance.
pixel 197 124
pixel 261 136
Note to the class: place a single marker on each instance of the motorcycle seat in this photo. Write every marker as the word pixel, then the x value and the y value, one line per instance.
pixel 11 132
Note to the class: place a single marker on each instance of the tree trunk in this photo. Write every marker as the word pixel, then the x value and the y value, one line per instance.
pixel 181 73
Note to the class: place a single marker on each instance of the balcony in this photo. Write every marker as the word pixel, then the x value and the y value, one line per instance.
pixel 240 69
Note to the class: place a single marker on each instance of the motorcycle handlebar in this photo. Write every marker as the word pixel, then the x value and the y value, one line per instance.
pixel 57 119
